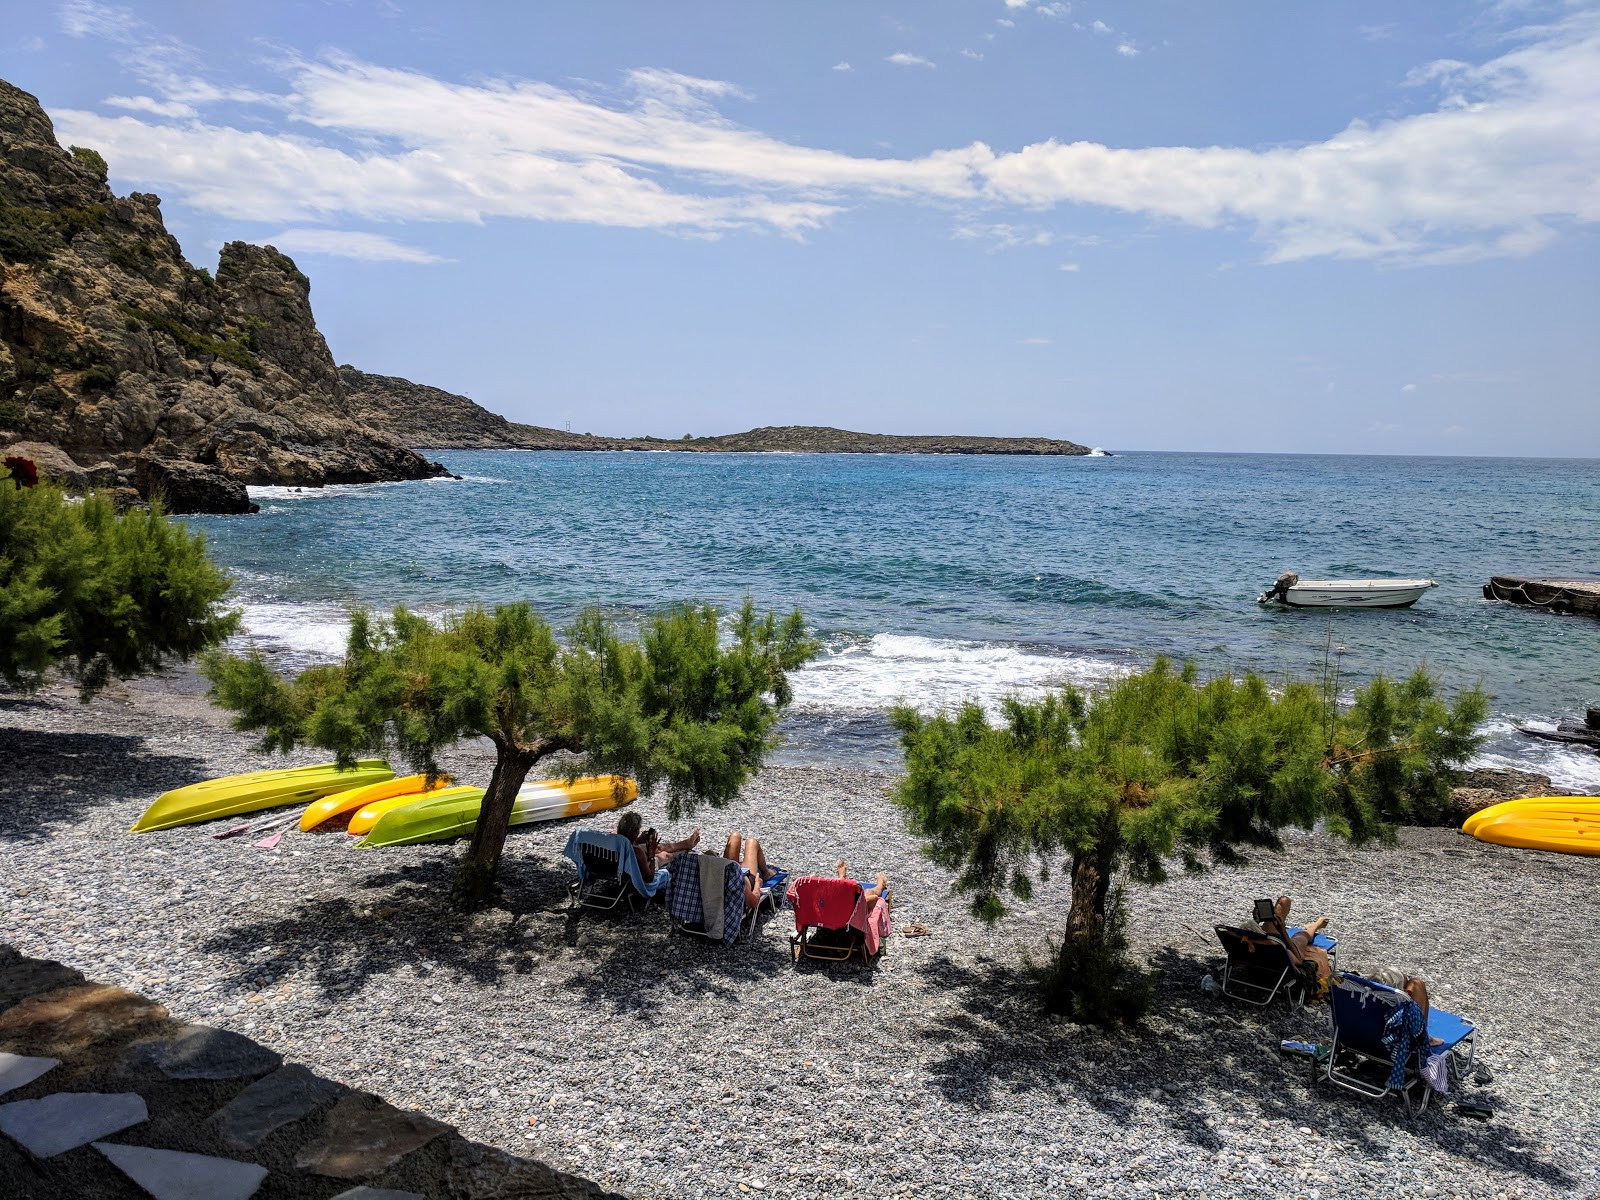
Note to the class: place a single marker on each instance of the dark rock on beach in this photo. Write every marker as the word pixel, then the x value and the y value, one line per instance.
pixel 123 365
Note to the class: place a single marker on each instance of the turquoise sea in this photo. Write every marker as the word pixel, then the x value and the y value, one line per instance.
pixel 939 578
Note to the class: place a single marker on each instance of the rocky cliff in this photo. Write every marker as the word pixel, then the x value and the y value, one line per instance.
pixel 418 415
pixel 121 365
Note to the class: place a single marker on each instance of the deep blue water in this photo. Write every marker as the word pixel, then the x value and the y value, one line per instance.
pixel 935 578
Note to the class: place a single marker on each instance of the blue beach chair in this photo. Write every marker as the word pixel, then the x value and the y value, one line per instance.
pixel 608 872
pixel 1259 967
pixel 1358 1059
pixel 689 912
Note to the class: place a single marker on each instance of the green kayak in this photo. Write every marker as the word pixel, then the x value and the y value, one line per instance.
pixel 234 794
pixel 456 815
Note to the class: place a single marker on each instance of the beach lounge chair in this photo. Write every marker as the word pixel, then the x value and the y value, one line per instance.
pixel 832 922
pixel 1358 1059
pixel 608 872
pixel 697 876
pixel 1259 967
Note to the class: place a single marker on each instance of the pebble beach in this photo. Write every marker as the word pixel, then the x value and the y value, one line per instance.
pixel 663 1067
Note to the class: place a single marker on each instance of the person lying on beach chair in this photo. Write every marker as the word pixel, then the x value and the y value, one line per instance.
pixel 759 875
pixel 652 852
pixel 840 917
pixel 1310 946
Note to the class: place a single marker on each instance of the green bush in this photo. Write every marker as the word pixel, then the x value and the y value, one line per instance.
pixel 93 160
pixel 73 221
pixel 47 397
pixel 132 256
pixel 98 378
pixel 10 413
pixel 27 235
pixel 194 342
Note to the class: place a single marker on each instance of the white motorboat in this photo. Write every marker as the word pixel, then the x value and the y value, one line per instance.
pixel 1346 593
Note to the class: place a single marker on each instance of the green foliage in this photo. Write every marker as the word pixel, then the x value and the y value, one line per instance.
pixel 1161 767
pixel 99 594
pixel 132 255
pixel 73 221
pixel 249 331
pixel 27 235
pixel 98 378
pixel 194 342
pixel 47 397
pixel 201 276
pixel 93 160
pixel 674 708
pixel 11 410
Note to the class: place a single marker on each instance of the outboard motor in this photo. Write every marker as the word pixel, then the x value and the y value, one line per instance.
pixel 1280 589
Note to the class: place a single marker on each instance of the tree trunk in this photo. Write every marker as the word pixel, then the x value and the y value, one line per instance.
pixel 1090 884
pixel 475 877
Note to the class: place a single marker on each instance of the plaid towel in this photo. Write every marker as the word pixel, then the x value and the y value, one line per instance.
pixel 686 904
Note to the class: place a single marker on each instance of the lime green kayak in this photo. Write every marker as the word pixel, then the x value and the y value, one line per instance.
pixel 233 794
pixel 455 816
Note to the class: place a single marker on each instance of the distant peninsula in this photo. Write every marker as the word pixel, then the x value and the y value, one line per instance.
pixel 430 418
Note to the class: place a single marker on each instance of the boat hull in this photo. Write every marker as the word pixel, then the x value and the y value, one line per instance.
pixel 549 800
pixel 252 792
pixel 415 786
pixel 369 815
pixel 1386 593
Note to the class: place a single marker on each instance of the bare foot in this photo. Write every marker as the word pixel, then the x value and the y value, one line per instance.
pixel 883 882
pixel 840 868
pixel 694 838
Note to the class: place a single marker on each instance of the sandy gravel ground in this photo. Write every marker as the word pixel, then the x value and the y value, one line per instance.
pixel 665 1068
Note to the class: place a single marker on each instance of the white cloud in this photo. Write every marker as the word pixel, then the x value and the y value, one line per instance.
pixel 1128 50
pixel 31 45
pixel 841 65
pixel 1057 10
pixel 1488 377
pixel 1005 236
pixel 1382 428
pixel 1070 267
pixel 149 104
pixel 1036 341
pixel 1410 387
pixel 972 54
pixel 1005 23
pixel 1101 27
pixel 368 247
pixel 1507 156
pixel 1016 3
pixel 902 58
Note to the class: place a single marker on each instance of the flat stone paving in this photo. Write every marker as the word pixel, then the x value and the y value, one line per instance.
pixel 103 1096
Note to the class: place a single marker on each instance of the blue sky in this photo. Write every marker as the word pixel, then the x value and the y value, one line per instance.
pixel 1361 228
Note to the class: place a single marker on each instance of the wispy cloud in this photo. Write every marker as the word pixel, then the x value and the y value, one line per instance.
pixel 1101 27
pixel 903 58
pixel 1058 10
pixel 972 54
pixel 1069 267
pixel 841 65
pixel 1036 341
pixel 1005 236
pixel 341 243
pixel 149 104
pixel 1128 50
pixel 1409 387
pixel 1505 158
pixel 1005 23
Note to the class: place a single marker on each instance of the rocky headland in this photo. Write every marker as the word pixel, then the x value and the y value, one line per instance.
pixel 123 366
pixel 430 417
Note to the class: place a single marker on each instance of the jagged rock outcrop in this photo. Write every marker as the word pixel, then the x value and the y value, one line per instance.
pixel 126 359
pixel 429 417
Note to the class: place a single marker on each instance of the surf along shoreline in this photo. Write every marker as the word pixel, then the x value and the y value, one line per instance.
pixel 933 1075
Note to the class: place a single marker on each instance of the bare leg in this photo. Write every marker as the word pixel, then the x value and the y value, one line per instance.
pixel 732 849
pixel 754 862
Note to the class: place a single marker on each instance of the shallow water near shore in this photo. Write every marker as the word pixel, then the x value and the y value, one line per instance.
pixel 936 579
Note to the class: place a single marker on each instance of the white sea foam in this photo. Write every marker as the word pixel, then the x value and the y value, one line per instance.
pixel 1568 765
pixel 335 491
pixel 313 631
pixel 932 673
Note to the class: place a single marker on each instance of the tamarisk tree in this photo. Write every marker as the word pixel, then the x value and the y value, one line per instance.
pixel 1163 768
pixel 96 593
pixel 675 707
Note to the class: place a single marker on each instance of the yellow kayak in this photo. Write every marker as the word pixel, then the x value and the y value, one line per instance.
pixel 1566 824
pixel 367 815
pixel 439 819
pixel 256 790
pixel 1530 805
pixel 348 801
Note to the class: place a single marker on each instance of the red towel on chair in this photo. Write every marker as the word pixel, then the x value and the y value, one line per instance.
pixel 829 903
